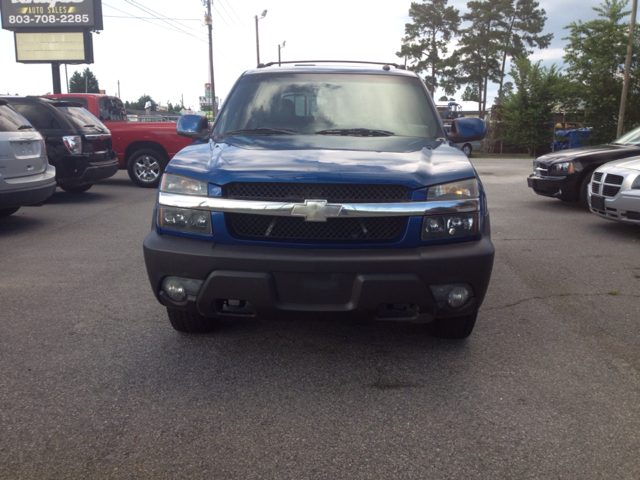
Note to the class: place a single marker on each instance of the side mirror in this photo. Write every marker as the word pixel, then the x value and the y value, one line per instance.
pixel 467 129
pixel 193 126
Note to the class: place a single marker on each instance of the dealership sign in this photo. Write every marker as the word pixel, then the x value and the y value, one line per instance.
pixel 23 15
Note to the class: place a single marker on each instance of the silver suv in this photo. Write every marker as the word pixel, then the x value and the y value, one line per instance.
pixel 26 178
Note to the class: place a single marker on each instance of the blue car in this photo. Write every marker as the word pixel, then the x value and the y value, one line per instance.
pixel 323 191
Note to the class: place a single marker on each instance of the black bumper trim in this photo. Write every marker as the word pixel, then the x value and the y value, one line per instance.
pixel 371 277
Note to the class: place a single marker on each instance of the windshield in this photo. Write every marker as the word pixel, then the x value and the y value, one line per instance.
pixel 83 119
pixel 630 138
pixel 329 104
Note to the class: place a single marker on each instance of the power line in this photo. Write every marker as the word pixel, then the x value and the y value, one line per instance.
pixel 158 15
pixel 173 28
pixel 234 12
pixel 225 11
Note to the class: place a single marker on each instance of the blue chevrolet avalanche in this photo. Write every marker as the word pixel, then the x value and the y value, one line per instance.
pixel 323 191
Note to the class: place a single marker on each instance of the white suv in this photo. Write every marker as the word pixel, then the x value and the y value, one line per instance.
pixel 26 178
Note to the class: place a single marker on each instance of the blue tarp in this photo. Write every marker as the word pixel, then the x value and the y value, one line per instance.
pixel 566 139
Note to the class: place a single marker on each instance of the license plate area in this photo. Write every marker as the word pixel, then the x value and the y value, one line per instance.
pixel 597 202
pixel 25 149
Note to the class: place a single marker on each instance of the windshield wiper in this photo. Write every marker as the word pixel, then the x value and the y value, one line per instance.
pixel 356 132
pixel 261 131
pixel 24 127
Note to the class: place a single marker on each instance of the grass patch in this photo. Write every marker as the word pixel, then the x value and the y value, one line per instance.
pixel 613 292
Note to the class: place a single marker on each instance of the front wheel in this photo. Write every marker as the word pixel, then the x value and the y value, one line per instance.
pixel 5 212
pixel 583 193
pixel 452 328
pixel 78 189
pixel 189 322
pixel 466 149
pixel 145 167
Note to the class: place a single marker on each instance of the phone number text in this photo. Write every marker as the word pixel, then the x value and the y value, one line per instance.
pixel 41 19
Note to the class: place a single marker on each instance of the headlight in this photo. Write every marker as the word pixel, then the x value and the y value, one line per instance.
pixel 183 185
pixel 562 168
pixel 449 226
pixel 73 144
pixel 460 190
pixel 185 220
pixel 636 183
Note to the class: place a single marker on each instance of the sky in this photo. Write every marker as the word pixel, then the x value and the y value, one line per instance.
pixel 137 54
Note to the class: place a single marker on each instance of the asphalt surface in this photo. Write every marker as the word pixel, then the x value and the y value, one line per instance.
pixel 94 382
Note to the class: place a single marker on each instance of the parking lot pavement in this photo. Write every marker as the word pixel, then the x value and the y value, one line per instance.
pixel 94 383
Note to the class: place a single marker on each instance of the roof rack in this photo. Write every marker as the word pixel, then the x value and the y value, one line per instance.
pixel 307 62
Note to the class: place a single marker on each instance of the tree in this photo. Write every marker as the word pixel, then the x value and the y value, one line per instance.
pixel 139 104
pixel 522 23
pixel 475 61
pixel 595 55
pixel 84 82
pixel 426 39
pixel 527 114
pixel 470 94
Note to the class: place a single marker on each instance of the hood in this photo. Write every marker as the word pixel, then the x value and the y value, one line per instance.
pixel 632 163
pixel 608 151
pixel 408 161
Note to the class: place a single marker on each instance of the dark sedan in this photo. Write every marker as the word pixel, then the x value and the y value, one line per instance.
pixel 566 174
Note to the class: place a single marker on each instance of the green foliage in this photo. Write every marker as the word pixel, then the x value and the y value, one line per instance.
pixel 527 114
pixel 139 104
pixel 476 61
pixel 426 38
pixel 470 94
pixel 520 29
pixel 595 55
pixel 84 82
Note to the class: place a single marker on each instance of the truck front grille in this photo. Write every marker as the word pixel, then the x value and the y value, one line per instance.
pixel 343 230
pixel 331 192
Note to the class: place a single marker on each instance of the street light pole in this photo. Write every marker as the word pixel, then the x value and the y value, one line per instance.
pixel 280 47
pixel 209 21
pixel 262 15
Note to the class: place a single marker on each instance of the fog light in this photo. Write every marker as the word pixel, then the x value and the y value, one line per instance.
pixel 177 288
pixel 174 289
pixel 458 296
pixel 454 294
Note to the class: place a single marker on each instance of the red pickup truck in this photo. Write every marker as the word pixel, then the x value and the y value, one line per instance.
pixel 144 148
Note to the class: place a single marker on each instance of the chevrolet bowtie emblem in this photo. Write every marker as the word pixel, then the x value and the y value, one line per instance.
pixel 316 210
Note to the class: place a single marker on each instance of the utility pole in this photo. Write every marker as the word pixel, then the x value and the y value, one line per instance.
pixel 627 67
pixel 279 48
pixel 119 89
pixel 262 15
pixel 209 22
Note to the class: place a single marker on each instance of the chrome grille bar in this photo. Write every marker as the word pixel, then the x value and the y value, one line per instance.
pixel 285 209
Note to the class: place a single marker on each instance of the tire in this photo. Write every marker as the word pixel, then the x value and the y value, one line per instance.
pixel 190 322
pixel 452 328
pixel 466 149
pixel 78 189
pixel 583 193
pixel 5 212
pixel 145 167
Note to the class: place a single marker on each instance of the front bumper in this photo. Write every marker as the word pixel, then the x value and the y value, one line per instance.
pixel 27 190
pixel 385 284
pixel 624 207
pixel 558 187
